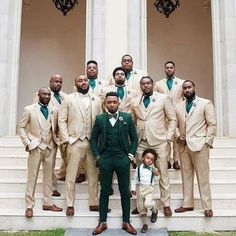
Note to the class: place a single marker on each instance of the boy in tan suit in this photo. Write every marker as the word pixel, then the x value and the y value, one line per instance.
pixel 151 110
pixel 38 132
pixel 172 86
pixel 195 135
pixel 76 118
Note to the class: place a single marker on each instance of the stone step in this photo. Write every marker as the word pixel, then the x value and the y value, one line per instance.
pixel 18 186
pixel 13 219
pixel 17 201
pixel 7 172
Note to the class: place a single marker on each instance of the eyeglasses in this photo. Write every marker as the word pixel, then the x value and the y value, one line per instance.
pixel 127 60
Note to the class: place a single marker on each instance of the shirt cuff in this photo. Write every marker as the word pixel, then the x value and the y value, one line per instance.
pixel 131 156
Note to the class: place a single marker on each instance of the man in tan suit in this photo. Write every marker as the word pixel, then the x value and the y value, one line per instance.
pixel 195 135
pixel 76 118
pixel 151 110
pixel 125 93
pixel 172 86
pixel 38 132
pixel 133 76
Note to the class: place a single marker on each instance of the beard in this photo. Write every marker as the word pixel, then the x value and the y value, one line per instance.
pixel 189 96
pixel 83 90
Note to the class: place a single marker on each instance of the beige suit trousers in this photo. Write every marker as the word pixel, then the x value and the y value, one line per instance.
pixel 196 162
pixel 161 163
pixel 173 147
pixel 145 200
pixel 76 152
pixel 36 157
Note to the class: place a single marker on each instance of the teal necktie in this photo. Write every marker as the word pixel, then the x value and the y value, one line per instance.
pixel 57 96
pixel 120 92
pixel 44 110
pixel 189 104
pixel 92 83
pixel 128 75
pixel 169 82
pixel 146 101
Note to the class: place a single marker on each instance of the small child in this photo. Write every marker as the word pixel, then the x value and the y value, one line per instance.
pixel 142 184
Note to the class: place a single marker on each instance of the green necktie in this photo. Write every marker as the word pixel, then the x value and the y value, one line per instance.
pixel 128 75
pixel 147 167
pixel 120 92
pixel 189 104
pixel 169 82
pixel 44 110
pixel 146 101
pixel 92 83
pixel 57 96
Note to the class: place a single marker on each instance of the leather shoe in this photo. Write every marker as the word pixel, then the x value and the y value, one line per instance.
pixel 80 179
pixel 96 208
pixel 208 213
pixel 167 211
pixel 101 227
pixel 70 211
pixel 168 165
pixel 183 209
pixel 129 228
pixel 135 211
pixel 154 217
pixel 176 165
pixel 29 213
pixel 55 193
pixel 62 178
pixel 144 228
pixel 52 208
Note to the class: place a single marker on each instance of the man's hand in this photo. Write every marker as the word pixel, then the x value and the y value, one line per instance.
pixel 64 146
pixel 97 160
pixel 133 192
pixel 181 139
pixel 155 171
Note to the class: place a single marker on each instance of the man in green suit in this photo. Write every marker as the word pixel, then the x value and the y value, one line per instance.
pixel 114 142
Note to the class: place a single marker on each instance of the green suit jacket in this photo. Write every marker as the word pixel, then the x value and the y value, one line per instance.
pixel 127 134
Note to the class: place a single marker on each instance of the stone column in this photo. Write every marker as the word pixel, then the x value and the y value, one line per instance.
pixel 10 24
pixel 224 53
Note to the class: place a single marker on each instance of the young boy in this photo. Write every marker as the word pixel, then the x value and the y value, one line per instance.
pixel 142 184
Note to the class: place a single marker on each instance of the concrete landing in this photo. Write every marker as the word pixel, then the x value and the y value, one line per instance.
pixel 115 232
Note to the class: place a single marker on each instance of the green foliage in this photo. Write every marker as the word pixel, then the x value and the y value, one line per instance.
pixel 189 233
pixel 57 232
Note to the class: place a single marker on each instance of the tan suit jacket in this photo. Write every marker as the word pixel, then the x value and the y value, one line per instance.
pixel 29 127
pixel 176 93
pixel 125 103
pixel 100 85
pixel 72 118
pixel 152 120
pixel 199 126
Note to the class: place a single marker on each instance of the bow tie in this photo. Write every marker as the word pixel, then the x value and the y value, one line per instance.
pixel 147 167
pixel 112 115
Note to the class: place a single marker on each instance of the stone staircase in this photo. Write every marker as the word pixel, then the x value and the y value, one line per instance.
pixel 13 172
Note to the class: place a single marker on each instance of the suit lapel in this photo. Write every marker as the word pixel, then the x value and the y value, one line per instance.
pixel 80 104
pixel 195 103
pixel 38 115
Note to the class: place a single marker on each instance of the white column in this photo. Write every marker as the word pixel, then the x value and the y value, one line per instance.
pixel 224 48
pixel 10 24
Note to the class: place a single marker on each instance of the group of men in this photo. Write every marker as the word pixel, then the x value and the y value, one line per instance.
pixel 105 125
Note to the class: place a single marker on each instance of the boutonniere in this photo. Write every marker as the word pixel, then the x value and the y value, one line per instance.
pixel 99 82
pixel 176 82
pixel 128 92
pixel 121 118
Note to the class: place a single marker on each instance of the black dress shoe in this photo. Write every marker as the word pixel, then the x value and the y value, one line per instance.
pixel 154 217
pixel 80 179
pixel 144 228
pixel 55 193
pixel 100 227
pixel 208 213
pixel 176 165
pixel 168 165
pixel 135 211
pixel 70 211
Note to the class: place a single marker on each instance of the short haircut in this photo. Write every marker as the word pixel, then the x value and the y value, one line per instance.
pixel 91 62
pixel 146 77
pixel 150 150
pixel 118 68
pixel 127 55
pixel 112 94
pixel 169 62
pixel 190 81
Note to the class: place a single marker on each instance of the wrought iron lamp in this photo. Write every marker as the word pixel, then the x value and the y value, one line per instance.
pixel 65 5
pixel 166 6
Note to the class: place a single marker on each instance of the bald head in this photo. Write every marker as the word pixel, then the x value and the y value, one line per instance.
pixel 44 95
pixel 55 83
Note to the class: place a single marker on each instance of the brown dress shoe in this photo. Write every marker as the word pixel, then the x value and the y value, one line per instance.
pixel 55 193
pixel 168 165
pixel 208 213
pixel 29 213
pixel 52 208
pixel 62 178
pixel 154 217
pixel 101 227
pixel 135 211
pixel 94 208
pixel 129 228
pixel 167 211
pixel 176 165
pixel 183 209
pixel 80 179
pixel 70 211
pixel 144 228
